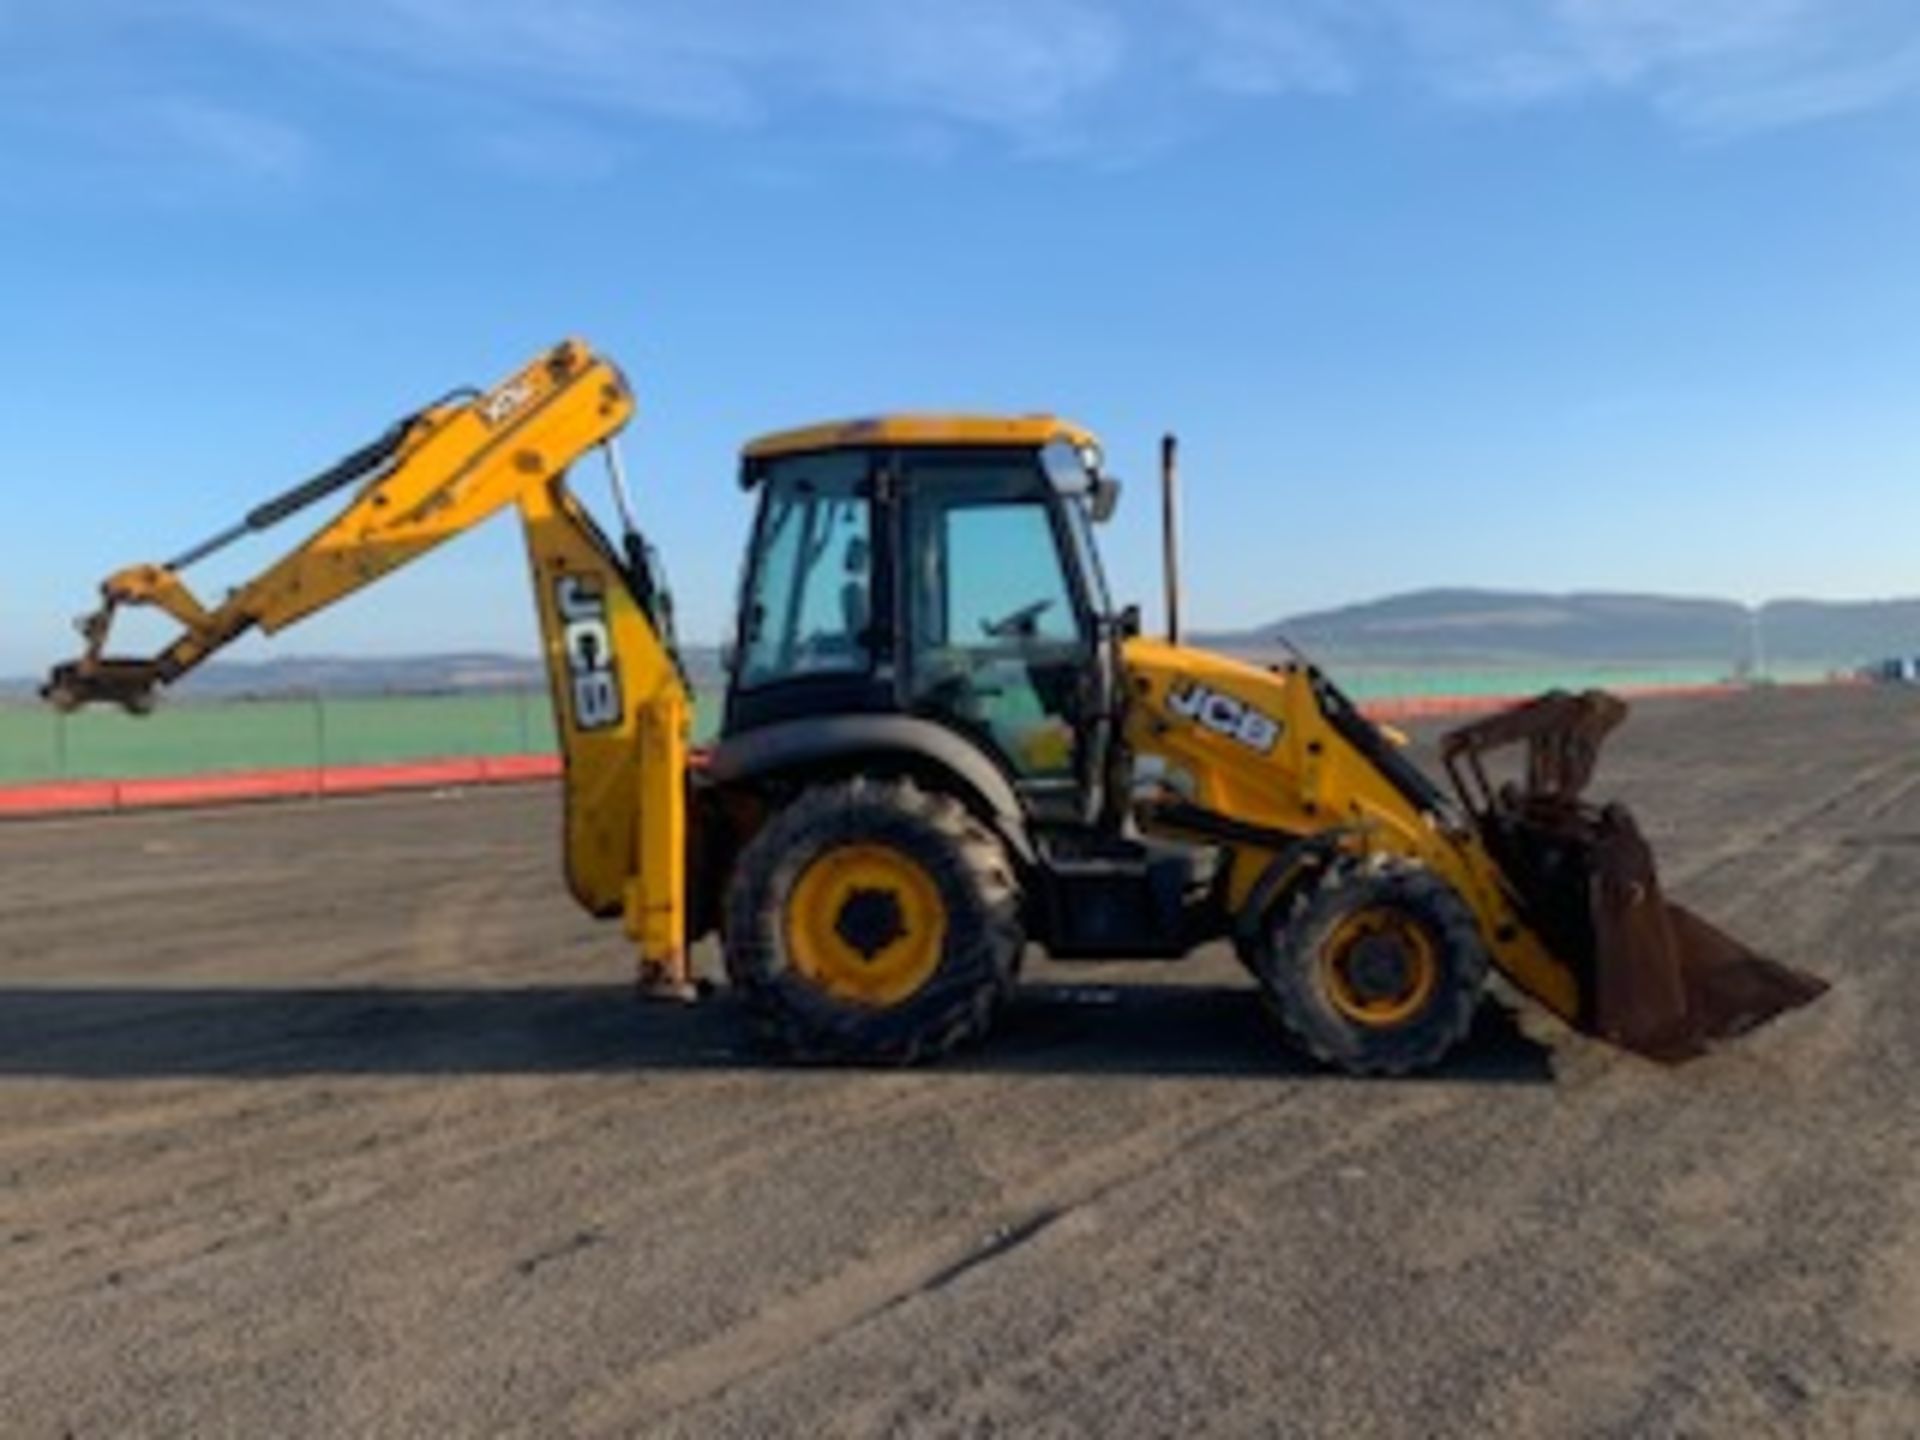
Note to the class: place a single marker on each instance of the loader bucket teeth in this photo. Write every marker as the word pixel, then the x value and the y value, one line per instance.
pixel 1654 977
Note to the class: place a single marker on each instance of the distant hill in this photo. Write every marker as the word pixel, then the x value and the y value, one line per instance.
pixel 1422 627
pixel 1863 630
pixel 1481 626
pixel 366 675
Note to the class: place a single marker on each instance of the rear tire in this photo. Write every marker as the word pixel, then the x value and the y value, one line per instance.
pixel 871 920
pixel 1377 968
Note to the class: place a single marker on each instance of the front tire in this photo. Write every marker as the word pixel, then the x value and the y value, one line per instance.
pixel 871 920
pixel 1376 969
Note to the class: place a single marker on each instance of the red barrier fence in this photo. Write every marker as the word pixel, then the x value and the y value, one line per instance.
pixel 1435 707
pixel 61 797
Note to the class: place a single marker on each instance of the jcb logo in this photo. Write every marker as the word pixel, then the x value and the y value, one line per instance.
pixel 587 642
pixel 505 401
pixel 1225 715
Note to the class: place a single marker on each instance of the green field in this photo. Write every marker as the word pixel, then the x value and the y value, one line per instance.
pixel 187 737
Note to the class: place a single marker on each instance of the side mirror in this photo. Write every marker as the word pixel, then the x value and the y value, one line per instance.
pixel 1103 499
pixel 1074 470
pixel 1127 623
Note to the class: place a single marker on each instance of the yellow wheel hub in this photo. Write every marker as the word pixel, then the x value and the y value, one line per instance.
pixel 866 924
pixel 1380 968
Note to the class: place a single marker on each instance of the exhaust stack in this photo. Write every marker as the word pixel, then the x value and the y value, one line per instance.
pixel 1170 529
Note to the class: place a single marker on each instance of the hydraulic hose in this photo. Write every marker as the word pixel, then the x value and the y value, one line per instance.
pixel 358 464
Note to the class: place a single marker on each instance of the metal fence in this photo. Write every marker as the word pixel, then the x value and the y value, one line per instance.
pixel 187 737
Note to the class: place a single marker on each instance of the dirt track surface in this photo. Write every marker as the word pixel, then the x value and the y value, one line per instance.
pixel 336 1119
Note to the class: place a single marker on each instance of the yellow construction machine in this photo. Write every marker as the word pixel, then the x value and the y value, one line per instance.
pixel 942 742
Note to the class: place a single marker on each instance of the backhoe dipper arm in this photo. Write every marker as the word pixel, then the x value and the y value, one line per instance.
pixel 619 696
pixel 432 475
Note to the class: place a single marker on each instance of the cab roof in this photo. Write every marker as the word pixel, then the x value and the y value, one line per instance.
pixel 919 429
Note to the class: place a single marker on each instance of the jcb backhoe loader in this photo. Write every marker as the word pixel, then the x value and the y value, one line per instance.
pixel 942 742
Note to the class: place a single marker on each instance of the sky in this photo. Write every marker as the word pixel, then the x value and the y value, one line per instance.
pixel 1558 294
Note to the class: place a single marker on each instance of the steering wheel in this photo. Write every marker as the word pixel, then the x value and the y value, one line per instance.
pixel 1019 623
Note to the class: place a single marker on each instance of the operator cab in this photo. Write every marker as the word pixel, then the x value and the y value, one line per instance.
pixel 938 567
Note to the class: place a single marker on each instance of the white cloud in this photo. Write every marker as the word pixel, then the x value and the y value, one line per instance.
pixel 229 139
pixel 1796 96
pixel 1709 66
pixel 538 149
pixel 58 139
pixel 999 64
pixel 1252 47
pixel 1622 40
pixel 659 58
pixel 1011 65
pixel 1078 77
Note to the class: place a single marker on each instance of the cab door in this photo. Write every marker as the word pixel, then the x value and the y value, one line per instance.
pixel 1000 631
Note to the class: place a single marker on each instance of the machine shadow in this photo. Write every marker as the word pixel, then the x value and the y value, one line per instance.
pixel 1137 1030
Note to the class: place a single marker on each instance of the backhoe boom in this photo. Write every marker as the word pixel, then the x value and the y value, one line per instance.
pixel 620 700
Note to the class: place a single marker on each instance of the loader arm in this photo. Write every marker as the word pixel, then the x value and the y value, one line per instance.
pixel 1281 770
pixel 1274 771
pixel 621 702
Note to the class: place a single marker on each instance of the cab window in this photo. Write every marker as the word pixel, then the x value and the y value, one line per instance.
pixel 809 600
pixel 1003 576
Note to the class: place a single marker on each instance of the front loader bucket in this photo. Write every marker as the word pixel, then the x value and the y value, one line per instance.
pixel 1653 977
pixel 1665 980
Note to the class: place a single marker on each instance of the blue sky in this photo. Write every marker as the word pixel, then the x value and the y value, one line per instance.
pixel 1541 293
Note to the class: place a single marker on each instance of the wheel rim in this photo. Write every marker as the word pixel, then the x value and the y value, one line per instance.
pixel 865 923
pixel 1380 968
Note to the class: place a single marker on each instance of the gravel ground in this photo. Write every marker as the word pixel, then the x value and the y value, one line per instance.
pixel 336 1119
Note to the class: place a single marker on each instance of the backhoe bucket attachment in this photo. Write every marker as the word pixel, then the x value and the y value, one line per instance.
pixel 1654 977
pixel 126 683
